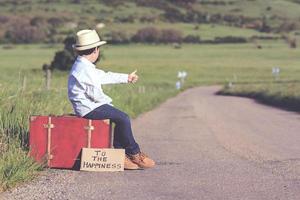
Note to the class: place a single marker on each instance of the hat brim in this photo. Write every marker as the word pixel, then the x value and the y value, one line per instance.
pixel 90 46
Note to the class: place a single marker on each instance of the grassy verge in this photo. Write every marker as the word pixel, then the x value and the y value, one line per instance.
pixel 279 94
pixel 244 65
pixel 15 165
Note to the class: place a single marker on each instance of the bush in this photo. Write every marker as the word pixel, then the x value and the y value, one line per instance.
pixel 265 27
pixel 292 42
pixel 118 37
pixel 3 19
pixel 125 19
pixel 266 37
pixel 170 36
pixel 287 27
pixel 38 21
pixel 112 3
pixel 192 39
pixel 23 32
pixel 152 3
pixel 174 15
pixel 148 34
pixel 230 39
pixel 55 21
pixel 182 2
pixel 231 19
pixel 154 35
pixel 148 19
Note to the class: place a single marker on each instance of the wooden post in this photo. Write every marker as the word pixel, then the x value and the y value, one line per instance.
pixel 24 84
pixel 48 78
pixel 141 89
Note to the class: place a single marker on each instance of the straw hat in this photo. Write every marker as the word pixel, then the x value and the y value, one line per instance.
pixel 87 39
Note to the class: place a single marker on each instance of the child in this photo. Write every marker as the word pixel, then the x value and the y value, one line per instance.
pixel 89 101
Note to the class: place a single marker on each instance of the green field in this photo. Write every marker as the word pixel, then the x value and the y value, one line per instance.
pixel 157 65
pixel 284 8
pixel 245 66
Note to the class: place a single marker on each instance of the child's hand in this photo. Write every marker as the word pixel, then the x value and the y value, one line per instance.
pixel 132 78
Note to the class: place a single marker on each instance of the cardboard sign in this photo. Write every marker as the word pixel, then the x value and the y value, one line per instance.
pixel 102 160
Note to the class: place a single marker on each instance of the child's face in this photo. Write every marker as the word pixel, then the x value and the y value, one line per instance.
pixel 96 55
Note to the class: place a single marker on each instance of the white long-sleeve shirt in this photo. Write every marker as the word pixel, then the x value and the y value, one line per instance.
pixel 84 86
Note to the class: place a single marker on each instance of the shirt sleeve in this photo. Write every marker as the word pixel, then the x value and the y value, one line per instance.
pixel 110 77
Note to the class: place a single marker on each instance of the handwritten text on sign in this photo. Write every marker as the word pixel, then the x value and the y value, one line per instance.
pixel 102 159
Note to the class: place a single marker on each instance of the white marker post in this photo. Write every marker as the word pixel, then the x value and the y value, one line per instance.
pixel 181 75
pixel 276 73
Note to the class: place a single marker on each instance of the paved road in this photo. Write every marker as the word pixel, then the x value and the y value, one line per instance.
pixel 205 146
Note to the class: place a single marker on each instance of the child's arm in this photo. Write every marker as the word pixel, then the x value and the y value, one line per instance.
pixel 113 78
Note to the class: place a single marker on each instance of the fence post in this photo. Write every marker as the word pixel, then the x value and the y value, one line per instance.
pixel 48 79
pixel 47 70
pixel 24 83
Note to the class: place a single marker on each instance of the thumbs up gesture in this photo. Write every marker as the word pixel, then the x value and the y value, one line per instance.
pixel 132 78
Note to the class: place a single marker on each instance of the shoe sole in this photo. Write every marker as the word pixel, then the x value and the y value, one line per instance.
pixel 132 168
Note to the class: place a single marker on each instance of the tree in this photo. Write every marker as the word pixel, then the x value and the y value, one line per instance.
pixel 63 60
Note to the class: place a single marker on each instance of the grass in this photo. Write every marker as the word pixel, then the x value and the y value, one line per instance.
pixel 16 166
pixel 244 65
pixel 257 8
pixel 281 94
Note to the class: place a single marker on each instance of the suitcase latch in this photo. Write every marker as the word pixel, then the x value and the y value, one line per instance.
pixel 49 157
pixel 89 128
pixel 49 126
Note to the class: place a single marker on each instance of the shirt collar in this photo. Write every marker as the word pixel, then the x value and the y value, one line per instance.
pixel 85 61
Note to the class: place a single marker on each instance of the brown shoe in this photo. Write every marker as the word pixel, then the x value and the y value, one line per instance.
pixel 128 164
pixel 142 160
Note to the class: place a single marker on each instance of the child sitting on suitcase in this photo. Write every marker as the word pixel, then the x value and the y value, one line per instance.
pixel 89 101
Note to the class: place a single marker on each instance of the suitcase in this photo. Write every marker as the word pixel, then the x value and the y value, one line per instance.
pixel 57 140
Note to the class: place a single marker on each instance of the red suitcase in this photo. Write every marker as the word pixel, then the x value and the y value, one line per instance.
pixel 58 140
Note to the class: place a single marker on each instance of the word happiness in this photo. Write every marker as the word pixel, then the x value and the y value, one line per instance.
pixel 100 161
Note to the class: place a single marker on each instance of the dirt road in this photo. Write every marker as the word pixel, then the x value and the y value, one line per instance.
pixel 205 146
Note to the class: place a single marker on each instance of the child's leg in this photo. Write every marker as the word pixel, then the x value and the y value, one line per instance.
pixel 123 137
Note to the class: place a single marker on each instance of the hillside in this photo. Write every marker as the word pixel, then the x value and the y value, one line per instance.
pixel 31 21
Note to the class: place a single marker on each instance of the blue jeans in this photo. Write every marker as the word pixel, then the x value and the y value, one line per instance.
pixel 123 137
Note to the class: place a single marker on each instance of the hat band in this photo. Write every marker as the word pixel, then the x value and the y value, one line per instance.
pixel 87 44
